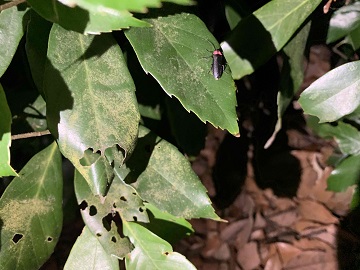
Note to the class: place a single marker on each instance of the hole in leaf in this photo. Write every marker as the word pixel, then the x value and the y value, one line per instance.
pixel 107 221
pixel 123 199
pixel 113 239
pixel 134 193
pixel 93 210
pixel 49 239
pixel 83 205
pixel 141 210
pixel 166 253
pixel 114 205
pixel 135 218
pixel 98 234
pixel 89 157
pixel 16 238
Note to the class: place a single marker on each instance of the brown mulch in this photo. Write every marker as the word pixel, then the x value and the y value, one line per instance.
pixel 264 231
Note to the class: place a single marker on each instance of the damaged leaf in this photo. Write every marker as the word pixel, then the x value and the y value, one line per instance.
pixel 163 177
pixel 151 252
pixel 90 101
pixel 99 214
pixel 31 212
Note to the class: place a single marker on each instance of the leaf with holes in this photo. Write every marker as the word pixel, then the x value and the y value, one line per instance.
pixel 88 253
pixel 334 95
pixel 83 21
pixel 31 212
pixel 98 213
pixel 5 137
pixel 12 21
pixel 91 103
pixel 151 252
pixel 163 177
pixel 260 35
pixel 176 51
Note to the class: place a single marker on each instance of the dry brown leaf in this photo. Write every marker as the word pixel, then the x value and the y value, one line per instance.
pixel 212 244
pixel 285 218
pixel 307 244
pixel 234 228
pixel 287 252
pixel 317 260
pixel 273 263
pixel 311 210
pixel 248 257
pixel 223 253
pixel 302 225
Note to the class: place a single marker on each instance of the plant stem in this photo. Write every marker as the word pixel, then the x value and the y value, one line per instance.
pixel 11 4
pixel 30 135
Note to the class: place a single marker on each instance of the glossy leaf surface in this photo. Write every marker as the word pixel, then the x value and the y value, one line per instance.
pixel 88 253
pixel 176 51
pixel 11 31
pixel 163 177
pixel 259 36
pixel 83 21
pixel 121 199
pixel 91 102
pixel 151 252
pixel 31 212
pixel 333 95
pixel 5 137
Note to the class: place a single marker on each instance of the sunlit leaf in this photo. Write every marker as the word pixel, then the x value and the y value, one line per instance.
pixel 177 52
pixel 333 95
pixel 5 137
pixel 83 21
pixel 346 174
pixel 163 177
pixel 151 252
pixel 91 103
pixel 31 212
pixel 116 6
pixel 88 253
pixel 121 199
pixel 36 114
pixel 343 21
pixel 259 36
pixel 12 21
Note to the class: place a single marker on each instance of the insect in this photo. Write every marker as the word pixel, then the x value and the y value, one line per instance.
pixel 218 63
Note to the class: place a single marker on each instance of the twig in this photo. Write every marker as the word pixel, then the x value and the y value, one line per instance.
pixel 30 135
pixel 11 4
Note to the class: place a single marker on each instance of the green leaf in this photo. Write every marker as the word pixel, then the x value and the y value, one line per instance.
pixel 168 227
pixel 259 36
pixel 90 101
pixel 345 174
pixel 87 253
pixel 82 21
pixel 36 46
pixel 163 177
pixel 5 137
pixel 354 38
pixel 343 21
pixel 116 6
pixel 151 252
pixel 121 199
pixel 36 114
pixel 333 95
pixel 292 74
pixel 176 52
pixel 31 212
pixel 12 23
